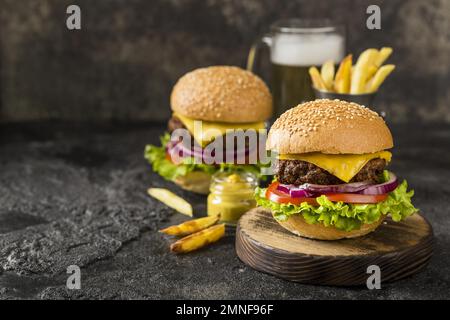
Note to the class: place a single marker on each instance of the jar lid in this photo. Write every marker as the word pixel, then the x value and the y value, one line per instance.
pixel 236 176
pixel 233 182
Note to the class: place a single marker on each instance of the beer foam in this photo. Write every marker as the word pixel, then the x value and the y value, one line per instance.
pixel 307 50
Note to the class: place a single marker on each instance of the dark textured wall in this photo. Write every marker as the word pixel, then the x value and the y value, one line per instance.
pixel 122 64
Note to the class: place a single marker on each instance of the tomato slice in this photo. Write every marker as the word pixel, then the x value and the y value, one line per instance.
pixel 168 157
pixel 356 198
pixel 278 196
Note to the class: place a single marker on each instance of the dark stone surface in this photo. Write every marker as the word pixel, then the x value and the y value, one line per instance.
pixel 129 53
pixel 76 194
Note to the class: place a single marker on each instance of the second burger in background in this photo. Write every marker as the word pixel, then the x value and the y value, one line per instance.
pixel 222 98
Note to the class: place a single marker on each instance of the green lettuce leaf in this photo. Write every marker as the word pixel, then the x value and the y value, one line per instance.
pixel 341 215
pixel 169 171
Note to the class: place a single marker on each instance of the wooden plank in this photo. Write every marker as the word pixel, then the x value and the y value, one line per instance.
pixel 398 248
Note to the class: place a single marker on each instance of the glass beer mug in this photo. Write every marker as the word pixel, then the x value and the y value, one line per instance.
pixel 295 45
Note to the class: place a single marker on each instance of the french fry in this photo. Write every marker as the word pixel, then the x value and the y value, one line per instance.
pixel 342 80
pixel 327 74
pixel 367 57
pixel 379 77
pixel 317 79
pixel 358 80
pixel 371 70
pixel 171 200
pixel 191 226
pixel 360 73
pixel 382 56
pixel 199 239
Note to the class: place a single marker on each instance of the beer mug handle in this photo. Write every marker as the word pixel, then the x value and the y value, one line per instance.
pixel 253 54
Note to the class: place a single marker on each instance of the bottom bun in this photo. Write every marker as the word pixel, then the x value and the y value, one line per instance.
pixel 297 225
pixel 195 181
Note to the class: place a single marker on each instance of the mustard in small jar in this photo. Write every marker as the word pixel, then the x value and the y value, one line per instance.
pixel 232 194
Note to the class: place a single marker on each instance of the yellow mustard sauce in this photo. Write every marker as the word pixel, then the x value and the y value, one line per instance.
pixel 232 194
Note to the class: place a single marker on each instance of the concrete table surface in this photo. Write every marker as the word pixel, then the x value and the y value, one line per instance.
pixel 76 194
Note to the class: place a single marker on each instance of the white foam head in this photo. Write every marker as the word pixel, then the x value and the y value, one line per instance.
pixel 307 49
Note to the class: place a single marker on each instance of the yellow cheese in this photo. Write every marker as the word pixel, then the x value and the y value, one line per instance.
pixel 210 130
pixel 343 166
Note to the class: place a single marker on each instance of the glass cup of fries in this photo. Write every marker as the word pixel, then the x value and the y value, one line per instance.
pixel 365 99
pixel 356 83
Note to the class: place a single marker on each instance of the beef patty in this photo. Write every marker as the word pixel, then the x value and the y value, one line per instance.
pixel 174 123
pixel 298 172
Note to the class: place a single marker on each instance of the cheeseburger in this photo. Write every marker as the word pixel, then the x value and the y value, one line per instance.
pixel 331 180
pixel 223 98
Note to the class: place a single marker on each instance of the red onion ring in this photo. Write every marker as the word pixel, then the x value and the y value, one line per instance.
pixel 382 188
pixel 311 190
pixel 293 191
pixel 178 150
pixel 336 188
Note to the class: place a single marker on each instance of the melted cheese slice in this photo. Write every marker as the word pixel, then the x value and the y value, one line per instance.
pixel 343 166
pixel 211 130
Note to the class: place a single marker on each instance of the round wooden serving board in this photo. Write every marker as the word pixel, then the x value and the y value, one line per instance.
pixel 400 249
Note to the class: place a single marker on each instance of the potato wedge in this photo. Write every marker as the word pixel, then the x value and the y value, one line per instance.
pixel 361 71
pixel 199 239
pixel 171 200
pixel 382 56
pixel 379 77
pixel 342 80
pixel 191 226
pixel 327 74
pixel 317 79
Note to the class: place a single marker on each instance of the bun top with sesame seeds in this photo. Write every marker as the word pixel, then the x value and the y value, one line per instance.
pixel 330 127
pixel 222 94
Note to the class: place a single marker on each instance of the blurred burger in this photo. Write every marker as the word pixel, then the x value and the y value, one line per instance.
pixel 222 98
pixel 331 180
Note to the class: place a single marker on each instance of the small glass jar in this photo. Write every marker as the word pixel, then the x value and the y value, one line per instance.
pixel 232 194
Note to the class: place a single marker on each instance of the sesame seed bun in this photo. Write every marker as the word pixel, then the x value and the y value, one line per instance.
pixel 222 94
pixel 331 127
pixel 297 225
